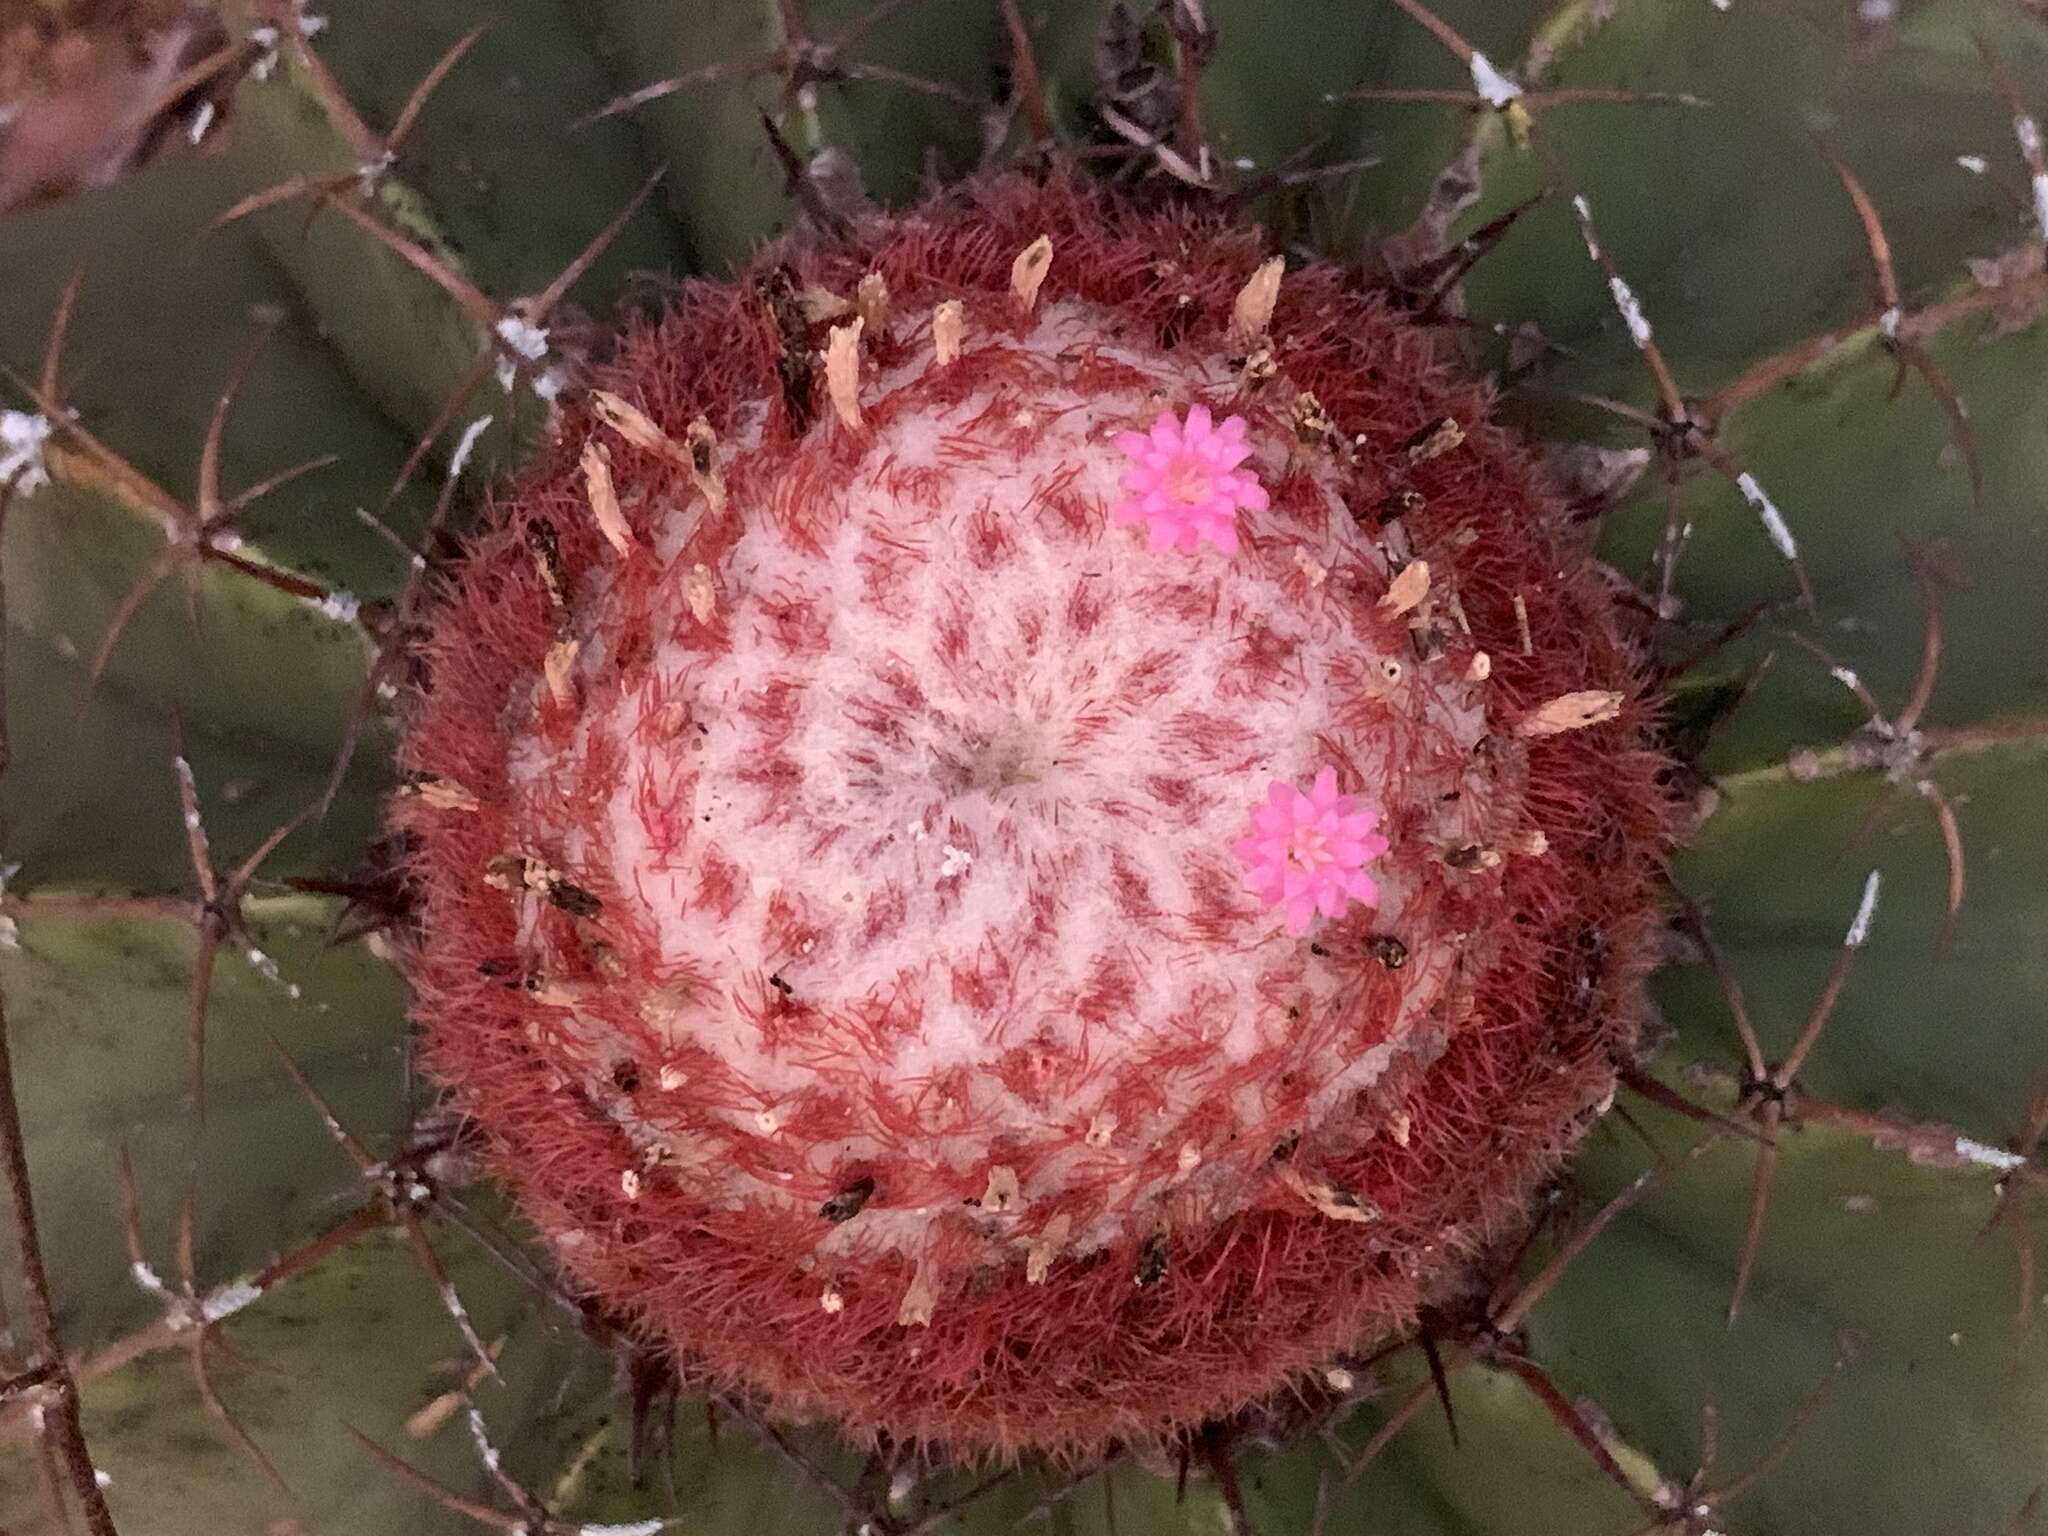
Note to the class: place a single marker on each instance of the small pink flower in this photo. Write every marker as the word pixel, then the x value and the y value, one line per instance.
pixel 1307 852
pixel 1184 482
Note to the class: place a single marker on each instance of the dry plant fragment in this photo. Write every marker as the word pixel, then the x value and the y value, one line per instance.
pixel 1437 441
pixel 949 320
pixel 1027 272
pixel 1408 589
pixel 635 426
pixel 821 304
pixel 1337 1204
pixel 920 1298
pixel 705 472
pixel 1045 1248
pixel 871 303
pixel 604 499
pixel 1571 712
pixel 1252 312
pixel 700 594
pixel 842 372
pixel 561 670
pixel 444 795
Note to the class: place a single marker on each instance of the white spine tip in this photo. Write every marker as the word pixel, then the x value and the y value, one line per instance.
pixel 1775 526
pixel 1984 1155
pixel 1866 910
pixel 228 1300
pixel 467 445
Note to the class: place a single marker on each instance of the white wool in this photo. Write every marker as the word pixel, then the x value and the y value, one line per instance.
pixel 523 340
pixel 1494 88
pixel 1970 1150
pixel 959 740
pixel 226 1300
pixel 21 452
pixel 1631 311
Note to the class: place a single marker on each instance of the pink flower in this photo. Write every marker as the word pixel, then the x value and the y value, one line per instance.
pixel 1307 852
pixel 1184 482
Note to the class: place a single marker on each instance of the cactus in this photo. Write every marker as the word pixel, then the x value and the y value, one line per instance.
pixel 1673 368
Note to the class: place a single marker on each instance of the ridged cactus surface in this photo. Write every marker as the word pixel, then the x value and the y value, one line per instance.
pixel 1758 284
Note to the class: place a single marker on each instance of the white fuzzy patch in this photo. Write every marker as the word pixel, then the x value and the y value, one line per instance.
pixel 338 605
pixel 225 1301
pixel 1984 1155
pixel 1494 88
pixel 522 341
pixel 148 1278
pixel 21 451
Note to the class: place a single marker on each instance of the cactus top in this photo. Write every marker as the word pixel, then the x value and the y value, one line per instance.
pixel 1001 851
pixel 925 804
